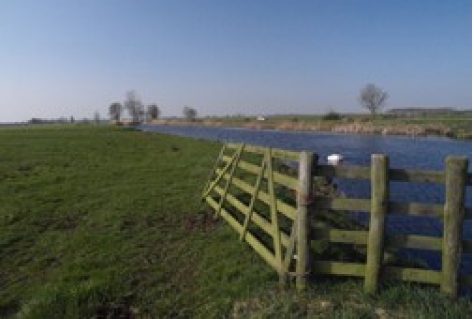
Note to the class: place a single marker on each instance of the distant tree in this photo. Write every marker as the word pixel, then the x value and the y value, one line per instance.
pixel 373 98
pixel 96 117
pixel 134 106
pixel 153 112
pixel 115 111
pixel 332 116
pixel 35 120
pixel 189 113
pixel 72 119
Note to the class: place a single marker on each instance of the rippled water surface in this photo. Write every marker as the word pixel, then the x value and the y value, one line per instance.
pixel 404 152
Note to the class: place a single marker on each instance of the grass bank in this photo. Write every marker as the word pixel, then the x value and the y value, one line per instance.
pixel 103 222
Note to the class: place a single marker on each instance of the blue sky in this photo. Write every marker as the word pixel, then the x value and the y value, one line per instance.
pixel 73 58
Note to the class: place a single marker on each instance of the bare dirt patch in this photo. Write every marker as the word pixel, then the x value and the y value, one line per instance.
pixel 201 222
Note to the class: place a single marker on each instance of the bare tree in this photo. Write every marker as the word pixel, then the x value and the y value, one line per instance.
pixel 115 111
pixel 373 98
pixel 96 117
pixel 134 106
pixel 189 113
pixel 153 112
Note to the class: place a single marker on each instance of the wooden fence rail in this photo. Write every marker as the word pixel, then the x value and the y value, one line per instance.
pixel 272 210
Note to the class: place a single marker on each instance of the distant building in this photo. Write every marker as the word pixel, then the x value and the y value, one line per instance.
pixel 261 118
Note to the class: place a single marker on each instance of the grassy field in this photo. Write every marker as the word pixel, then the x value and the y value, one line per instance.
pixel 105 222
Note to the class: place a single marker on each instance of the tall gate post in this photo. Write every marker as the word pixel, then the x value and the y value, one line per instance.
pixel 456 172
pixel 378 210
pixel 303 200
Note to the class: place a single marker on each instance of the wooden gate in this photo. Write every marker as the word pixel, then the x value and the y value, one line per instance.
pixel 254 189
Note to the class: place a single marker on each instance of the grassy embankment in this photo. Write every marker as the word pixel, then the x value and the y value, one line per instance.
pixel 449 125
pixel 102 222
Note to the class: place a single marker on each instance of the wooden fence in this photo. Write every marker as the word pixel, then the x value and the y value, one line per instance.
pixel 271 206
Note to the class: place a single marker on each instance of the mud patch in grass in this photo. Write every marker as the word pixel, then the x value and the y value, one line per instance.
pixel 201 222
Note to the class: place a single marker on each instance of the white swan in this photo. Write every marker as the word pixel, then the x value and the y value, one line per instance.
pixel 335 159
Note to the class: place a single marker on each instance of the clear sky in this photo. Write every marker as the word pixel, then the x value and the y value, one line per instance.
pixel 73 58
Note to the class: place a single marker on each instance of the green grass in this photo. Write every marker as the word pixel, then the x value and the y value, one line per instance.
pixel 104 222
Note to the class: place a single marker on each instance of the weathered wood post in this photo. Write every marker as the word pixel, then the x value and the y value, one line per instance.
pixel 380 197
pixel 303 200
pixel 456 173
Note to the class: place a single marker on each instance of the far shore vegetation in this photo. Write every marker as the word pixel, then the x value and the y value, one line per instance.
pixel 409 122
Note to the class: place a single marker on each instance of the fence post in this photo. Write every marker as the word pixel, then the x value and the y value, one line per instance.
pixel 303 200
pixel 380 197
pixel 456 172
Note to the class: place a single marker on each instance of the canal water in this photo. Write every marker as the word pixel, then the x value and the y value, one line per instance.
pixel 404 152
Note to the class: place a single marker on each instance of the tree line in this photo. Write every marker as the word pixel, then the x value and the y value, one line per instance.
pixel 371 97
pixel 137 111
